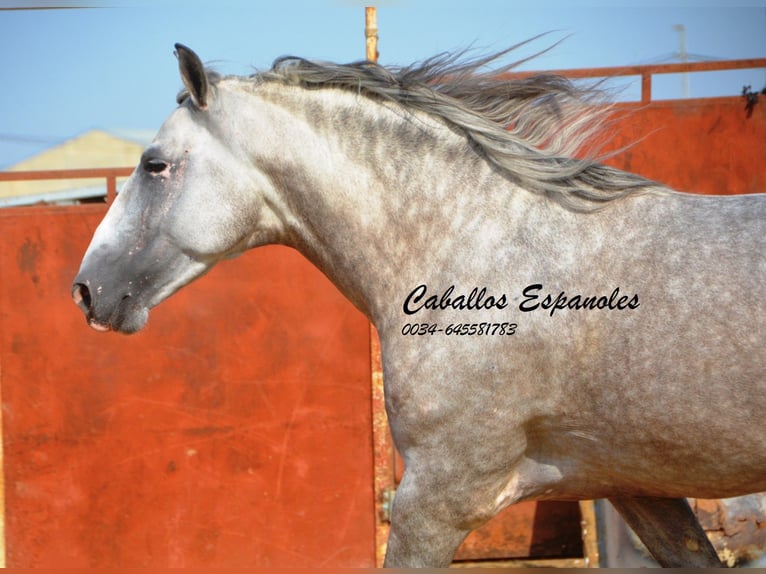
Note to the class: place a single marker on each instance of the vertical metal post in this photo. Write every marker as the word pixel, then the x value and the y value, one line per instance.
pixel 382 452
pixel 371 32
pixel 589 529
pixel 646 87
pixel 683 56
pixel 111 188
pixel 382 448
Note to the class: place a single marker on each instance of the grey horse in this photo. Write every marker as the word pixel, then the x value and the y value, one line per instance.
pixel 551 328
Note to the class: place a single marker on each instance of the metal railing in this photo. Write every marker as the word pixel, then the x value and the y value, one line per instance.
pixel 647 71
pixel 109 174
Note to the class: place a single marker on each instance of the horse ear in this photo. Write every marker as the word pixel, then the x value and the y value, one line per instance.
pixel 193 75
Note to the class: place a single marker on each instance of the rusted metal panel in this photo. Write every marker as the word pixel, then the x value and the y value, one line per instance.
pixel 234 431
pixel 548 529
pixel 700 146
pixel 735 526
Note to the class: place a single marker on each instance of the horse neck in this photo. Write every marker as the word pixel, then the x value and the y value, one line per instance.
pixel 372 191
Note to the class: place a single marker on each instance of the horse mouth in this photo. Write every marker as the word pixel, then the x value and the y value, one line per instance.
pixel 127 316
pixel 100 327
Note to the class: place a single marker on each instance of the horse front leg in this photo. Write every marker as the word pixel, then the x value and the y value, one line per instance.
pixel 425 532
pixel 669 530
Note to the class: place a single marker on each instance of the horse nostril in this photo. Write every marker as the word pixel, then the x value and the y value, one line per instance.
pixel 81 296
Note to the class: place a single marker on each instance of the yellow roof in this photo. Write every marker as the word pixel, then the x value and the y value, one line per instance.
pixel 95 148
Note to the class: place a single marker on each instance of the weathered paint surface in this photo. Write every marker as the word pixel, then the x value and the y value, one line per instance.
pixel 705 146
pixel 234 432
pixel 735 526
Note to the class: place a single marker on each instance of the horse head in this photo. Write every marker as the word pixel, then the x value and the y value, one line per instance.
pixel 190 202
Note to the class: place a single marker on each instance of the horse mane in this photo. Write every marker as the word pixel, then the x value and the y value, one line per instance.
pixel 530 128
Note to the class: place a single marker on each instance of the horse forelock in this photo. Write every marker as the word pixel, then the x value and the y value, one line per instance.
pixel 542 129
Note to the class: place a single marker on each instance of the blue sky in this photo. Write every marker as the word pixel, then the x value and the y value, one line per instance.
pixel 111 66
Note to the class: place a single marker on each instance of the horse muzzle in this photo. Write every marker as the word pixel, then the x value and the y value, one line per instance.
pixel 107 311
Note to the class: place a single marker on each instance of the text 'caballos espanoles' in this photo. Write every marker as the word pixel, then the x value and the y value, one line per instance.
pixel 533 297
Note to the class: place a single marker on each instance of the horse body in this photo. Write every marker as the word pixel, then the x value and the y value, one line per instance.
pixel 565 354
pixel 597 404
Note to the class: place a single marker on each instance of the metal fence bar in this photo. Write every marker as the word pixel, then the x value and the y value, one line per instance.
pixel 647 71
pixel 109 174
pixel 641 70
pixel 90 173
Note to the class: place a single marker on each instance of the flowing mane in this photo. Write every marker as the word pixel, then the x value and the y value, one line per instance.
pixel 532 129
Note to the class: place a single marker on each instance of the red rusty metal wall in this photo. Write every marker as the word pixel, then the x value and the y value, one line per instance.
pixel 706 146
pixel 233 431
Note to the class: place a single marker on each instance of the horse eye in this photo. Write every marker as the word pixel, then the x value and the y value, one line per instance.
pixel 154 165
